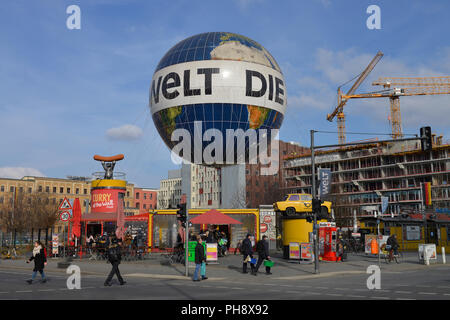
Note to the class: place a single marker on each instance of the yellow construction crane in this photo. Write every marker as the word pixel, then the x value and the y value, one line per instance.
pixel 342 99
pixel 395 87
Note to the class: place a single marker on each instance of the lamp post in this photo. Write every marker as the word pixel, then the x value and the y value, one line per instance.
pixel 313 193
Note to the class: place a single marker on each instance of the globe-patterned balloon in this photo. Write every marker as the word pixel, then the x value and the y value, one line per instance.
pixel 216 80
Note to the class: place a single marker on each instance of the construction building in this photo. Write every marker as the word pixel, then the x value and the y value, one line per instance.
pixel 362 174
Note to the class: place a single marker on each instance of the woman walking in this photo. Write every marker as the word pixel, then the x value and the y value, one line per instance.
pixel 40 260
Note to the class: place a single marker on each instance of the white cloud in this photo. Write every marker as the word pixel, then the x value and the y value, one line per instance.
pixel 19 172
pixel 126 132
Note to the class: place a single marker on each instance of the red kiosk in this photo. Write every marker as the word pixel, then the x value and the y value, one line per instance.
pixel 327 241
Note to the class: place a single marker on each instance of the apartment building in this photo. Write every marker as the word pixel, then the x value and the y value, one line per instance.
pixel 145 199
pixel 362 174
pixel 169 193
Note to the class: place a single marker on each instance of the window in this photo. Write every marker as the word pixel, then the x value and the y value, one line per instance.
pixel 85 191
pixel 128 193
pixel 1 199
pixel 145 206
pixel 145 197
pixel 294 197
pixel 11 189
pixel 21 189
pixel 47 189
pixel 40 189
pixel 137 195
pixel 2 188
pixel 305 197
pixel 77 191
pixel 54 189
pixel 30 190
pixel 68 190
pixel 137 205
pixel 151 196
pixel 61 190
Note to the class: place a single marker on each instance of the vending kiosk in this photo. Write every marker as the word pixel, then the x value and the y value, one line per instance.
pixel 327 241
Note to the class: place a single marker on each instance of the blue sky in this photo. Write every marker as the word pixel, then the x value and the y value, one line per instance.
pixel 69 94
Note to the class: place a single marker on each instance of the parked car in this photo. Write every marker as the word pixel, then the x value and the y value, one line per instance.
pixel 298 203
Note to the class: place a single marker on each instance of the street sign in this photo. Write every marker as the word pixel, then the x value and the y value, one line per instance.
pixel 64 216
pixel 65 205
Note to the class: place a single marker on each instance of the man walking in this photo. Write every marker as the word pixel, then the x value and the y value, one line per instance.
pixel 114 257
pixel 247 252
pixel 200 259
pixel 263 253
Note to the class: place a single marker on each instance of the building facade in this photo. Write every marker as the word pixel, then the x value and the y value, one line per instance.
pixel 202 186
pixel 361 175
pixel 145 199
pixel 55 189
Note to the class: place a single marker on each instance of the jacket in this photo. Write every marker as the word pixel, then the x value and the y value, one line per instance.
pixel 199 253
pixel 114 253
pixel 39 260
pixel 246 247
pixel 392 242
pixel 263 248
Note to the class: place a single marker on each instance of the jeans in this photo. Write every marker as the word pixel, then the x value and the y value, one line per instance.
pixel 200 267
pixel 35 273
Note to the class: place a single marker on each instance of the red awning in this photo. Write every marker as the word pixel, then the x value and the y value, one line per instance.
pixel 112 217
pixel 99 217
pixel 214 216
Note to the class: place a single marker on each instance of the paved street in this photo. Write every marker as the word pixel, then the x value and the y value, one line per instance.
pixel 155 280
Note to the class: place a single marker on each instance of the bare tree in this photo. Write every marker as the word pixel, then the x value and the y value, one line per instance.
pixel 239 199
pixel 42 211
pixel 14 214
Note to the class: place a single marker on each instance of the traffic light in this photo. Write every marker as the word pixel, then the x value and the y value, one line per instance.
pixel 316 204
pixel 181 214
pixel 425 135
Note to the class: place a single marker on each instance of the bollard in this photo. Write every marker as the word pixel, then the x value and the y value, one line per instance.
pixel 443 255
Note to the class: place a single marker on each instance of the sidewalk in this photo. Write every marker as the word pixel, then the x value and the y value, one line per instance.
pixel 230 267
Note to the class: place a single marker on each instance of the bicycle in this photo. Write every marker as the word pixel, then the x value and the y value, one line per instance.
pixel 385 250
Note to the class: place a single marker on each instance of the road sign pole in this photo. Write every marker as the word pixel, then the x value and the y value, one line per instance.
pixel 313 193
pixel 186 244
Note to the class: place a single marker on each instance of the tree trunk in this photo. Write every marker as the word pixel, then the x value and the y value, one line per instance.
pixel 32 235
pixel 14 241
pixel 39 234
pixel 46 236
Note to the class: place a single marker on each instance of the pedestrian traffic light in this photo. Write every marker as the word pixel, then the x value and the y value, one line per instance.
pixel 181 214
pixel 425 135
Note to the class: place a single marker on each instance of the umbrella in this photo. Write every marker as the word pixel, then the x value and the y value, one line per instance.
pixel 76 218
pixel 214 216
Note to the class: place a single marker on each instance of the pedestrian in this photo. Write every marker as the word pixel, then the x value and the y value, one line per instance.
pixel 247 252
pixel 200 260
pixel 114 257
pixel 263 254
pixel 392 244
pixel 40 260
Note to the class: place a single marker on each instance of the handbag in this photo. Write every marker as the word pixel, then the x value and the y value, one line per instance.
pixel 268 263
pixel 203 269
pixel 253 261
pixel 247 259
